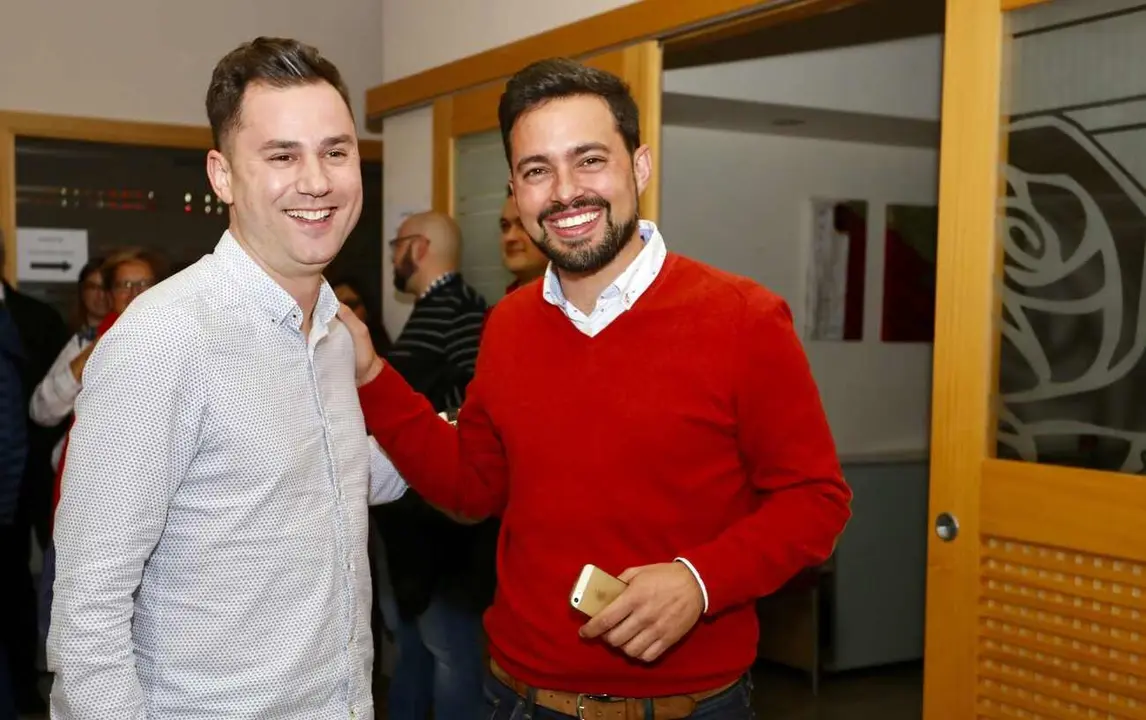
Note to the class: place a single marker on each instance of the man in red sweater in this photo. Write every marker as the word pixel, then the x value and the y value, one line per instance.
pixel 664 426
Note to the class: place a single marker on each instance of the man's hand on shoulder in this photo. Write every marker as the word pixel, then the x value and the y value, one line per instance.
pixel 662 603
pixel 367 364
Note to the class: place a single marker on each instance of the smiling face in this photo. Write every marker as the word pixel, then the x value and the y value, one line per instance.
pixel 93 296
pixel 290 171
pixel 130 279
pixel 575 183
pixel 518 253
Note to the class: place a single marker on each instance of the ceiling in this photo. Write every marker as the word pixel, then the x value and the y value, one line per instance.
pixel 865 22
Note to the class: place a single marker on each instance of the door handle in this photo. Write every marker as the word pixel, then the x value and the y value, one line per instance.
pixel 946 526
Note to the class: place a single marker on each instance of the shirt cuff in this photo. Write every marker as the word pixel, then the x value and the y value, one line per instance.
pixel 695 574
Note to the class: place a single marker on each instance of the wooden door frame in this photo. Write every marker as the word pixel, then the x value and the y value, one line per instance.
pixel 1064 507
pixel 690 21
pixel 964 351
pixel 123 132
pixel 475 111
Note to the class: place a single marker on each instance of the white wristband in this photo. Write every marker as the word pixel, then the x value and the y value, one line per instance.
pixel 695 574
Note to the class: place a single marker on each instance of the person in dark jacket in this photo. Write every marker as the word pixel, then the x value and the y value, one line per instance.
pixel 351 293
pixel 31 335
pixel 441 574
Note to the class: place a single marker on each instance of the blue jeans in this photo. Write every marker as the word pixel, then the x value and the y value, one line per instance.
pixel 438 664
pixel 502 703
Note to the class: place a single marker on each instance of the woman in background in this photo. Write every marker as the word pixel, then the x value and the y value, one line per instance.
pixel 123 275
pixel 55 396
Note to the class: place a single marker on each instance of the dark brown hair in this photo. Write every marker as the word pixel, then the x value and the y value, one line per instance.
pixel 277 62
pixel 92 267
pixel 546 80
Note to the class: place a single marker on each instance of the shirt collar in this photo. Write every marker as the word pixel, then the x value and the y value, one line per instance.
pixel 631 283
pixel 438 282
pixel 268 294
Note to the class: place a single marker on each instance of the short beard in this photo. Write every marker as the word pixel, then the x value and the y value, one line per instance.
pixel 585 258
pixel 403 272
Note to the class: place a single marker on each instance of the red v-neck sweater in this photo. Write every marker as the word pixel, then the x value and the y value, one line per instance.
pixel 689 427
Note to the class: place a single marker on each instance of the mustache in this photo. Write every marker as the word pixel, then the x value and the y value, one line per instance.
pixel 578 204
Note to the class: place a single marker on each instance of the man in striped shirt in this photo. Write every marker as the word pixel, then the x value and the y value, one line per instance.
pixel 438 347
pixel 440 582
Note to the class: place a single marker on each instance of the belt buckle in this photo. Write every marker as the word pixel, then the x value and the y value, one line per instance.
pixel 582 697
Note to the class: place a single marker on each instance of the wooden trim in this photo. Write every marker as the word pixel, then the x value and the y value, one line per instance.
pixel 370 150
pixel 1006 5
pixel 127 132
pixel 443 170
pixel 642 70
pixel 1085 510
pixel 122 132
pixel 969 182
pixel 475 111
pixel 626 25
pixel 767 18
pixel 8 202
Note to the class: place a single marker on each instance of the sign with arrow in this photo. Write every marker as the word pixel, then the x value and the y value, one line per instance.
pixel 50 254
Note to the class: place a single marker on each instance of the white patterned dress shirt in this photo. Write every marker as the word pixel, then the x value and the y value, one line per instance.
pixel 211 536
pixel 55 397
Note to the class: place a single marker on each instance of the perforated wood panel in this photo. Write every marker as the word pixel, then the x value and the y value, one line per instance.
pixel 1059 631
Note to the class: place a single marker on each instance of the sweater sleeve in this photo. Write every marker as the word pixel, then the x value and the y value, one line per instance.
pixel 789 458
pixel 460 469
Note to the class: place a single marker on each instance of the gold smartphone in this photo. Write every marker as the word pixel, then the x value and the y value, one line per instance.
pixel 594 590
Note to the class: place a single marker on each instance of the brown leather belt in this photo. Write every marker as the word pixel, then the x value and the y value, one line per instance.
pixel 600 707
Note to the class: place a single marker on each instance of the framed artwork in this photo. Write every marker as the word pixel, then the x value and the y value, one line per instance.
pixel 910 243
pixel 836 270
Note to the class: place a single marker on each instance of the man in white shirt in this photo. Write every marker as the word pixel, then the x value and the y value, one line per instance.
pixel 211 537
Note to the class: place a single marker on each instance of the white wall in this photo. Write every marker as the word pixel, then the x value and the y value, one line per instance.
pixel 740 202
pixel 149 60
pixel 427 33
pixel 407 186
pixel 900 78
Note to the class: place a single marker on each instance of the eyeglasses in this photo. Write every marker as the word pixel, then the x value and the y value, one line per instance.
pixel 403 238
pixel 132 285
